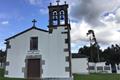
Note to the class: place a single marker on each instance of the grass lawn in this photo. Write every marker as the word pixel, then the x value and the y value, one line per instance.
pixel 97 77
pixel 1 73
pixel 2 76
pixel 77 76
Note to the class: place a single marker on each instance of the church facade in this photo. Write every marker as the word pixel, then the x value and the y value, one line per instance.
pixel 40 54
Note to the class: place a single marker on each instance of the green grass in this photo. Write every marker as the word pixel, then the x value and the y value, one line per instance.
pixel 3 78
pixel 97 77
pixel 76 76
pixel 1 73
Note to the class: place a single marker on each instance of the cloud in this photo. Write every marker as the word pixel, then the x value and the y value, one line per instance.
pixel 3 16
pixel 2 46
pixel 5 22
pixel 44 11
pixel 102 16
pixel 91 10
pixel 39 3
pixel 34 2
pixel 117 15
pixel 107 35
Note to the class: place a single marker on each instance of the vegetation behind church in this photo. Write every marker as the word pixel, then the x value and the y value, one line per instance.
pixel 110 55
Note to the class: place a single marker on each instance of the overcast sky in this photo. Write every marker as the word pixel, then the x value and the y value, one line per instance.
pixel 103 16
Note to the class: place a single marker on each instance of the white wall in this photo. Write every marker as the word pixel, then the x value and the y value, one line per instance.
pixel 99 64
pixel 118 68
pixel 103 65
pixel 56 55
pixel 50 46
pixel 19 49
pixel 80 65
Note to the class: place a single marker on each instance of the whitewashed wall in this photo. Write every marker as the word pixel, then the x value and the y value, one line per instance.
pixel 80 65
pixel 103 65
pixel 19 49
pixel 51 47
pixel 118 68
pixel 99 64
pixel 92 70
pixel 55 66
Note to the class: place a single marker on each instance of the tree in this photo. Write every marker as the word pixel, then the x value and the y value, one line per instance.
pixel 94 47
pixel 87 51
pixel 2 57
pixel 112 55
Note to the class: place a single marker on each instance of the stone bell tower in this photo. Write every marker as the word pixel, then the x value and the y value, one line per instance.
pixel 58 15
pixel 59 26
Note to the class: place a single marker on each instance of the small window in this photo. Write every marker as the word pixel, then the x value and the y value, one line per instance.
pixel 106 68
pixel 62 15
pixel 66 50
pixel 91 68
pixel 23 69
pixel 67 58
pixel 67 69
pixel 55 18
pixel 8 45
pixel 34 43
pixel 66 41
pixel 55 15
pixel 99 68
pixel 7 63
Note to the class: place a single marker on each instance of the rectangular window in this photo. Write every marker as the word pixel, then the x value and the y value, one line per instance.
pixel 106 68
pixel 99 68
pixel 66 40
pixel 91 68
pixel 23 69
pixel 67 58
pixel 8 45
pixel 66 50
pixel 7 63
pixel 67 69
pixel 34 43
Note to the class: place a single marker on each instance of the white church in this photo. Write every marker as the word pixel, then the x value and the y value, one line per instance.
pixel 38 54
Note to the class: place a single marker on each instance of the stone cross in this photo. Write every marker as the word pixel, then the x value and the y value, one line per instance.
pixel 58 2
pixel 34 21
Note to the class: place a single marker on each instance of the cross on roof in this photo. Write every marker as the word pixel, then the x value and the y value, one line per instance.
pixel 50 4
pixel 34 21
pixel 58 2
pixel 65 2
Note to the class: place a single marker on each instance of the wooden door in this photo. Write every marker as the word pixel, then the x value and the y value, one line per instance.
pixel 33 69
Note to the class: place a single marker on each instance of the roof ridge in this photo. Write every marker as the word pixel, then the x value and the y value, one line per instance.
pixel 25 31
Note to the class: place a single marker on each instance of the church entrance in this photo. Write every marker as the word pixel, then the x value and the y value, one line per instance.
pixel 33 69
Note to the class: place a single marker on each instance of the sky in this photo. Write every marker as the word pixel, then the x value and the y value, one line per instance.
pixel 102 16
